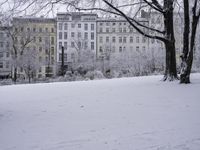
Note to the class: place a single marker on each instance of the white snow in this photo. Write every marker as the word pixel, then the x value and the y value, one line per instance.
pixel 140 113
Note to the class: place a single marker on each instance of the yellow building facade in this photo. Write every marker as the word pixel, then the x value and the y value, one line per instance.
pixel 34 46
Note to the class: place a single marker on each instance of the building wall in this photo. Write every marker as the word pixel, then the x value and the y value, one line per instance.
pixel 76 32
pixel 116 36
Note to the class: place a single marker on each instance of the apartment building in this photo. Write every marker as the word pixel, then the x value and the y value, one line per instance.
pixel 35 42
pixel 76 33
pixel 5 49
pixel 117 36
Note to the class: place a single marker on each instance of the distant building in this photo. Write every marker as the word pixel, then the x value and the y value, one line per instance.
pixel 76 32
pixel 5 49
pixel 37 35
pixel 117 36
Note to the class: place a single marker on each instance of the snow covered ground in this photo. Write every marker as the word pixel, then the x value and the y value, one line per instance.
pixel 140 113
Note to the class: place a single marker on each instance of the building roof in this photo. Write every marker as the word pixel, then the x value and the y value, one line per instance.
pixel 76 13
pixel 34 19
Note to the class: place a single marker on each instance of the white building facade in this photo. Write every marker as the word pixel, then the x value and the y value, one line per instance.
pixel 116 36
pixel 76 32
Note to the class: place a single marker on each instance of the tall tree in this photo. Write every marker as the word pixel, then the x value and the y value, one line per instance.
pixel 189 38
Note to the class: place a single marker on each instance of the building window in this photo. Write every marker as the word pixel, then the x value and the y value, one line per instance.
pixel 1 64
pixel 52 50
pixel 124 48
pixel 72 34
pixel 120 30
pixel 52 60
pixel 85 35
pixel 28 29
pixel 137 39
pixel 73 56
pixel 79 44
pixel 120 39
pixel 143 48
pixel 113 29
pixel 1 55
pixel 107 23
pixel 107 30
pixel 124 40
pixel 40 29
pixel 40 49
pixel 1 44
pixel 46 30
pixel 40 39
pixel 72 44
pixel 101 24
pixel 137 48
pixel 113 39
pixel 65 45
pixel 124 30
pixel 60 45
pixel 60 57
pixel 107 39
pixel 79 34
pixel 79 25
pixel 7 54
pixel 7 65
pixel 85 26
pixel 60 35
pixel 52 40
pixel 100 39
pixel 1 35
pixel 65 35
pixel 92 35
pixel 40 59
pixel 73 25
pixel 143 39
pixel 52 30
pixel 92 45
pixel 92 27
pixel 60 26
pixel 113 49
pixel 65 26
pixel 86 45
pixel 131 39
pixel 100 30
pixel 131 30
pixel 100 49
pixel 120 49
pixel 113 23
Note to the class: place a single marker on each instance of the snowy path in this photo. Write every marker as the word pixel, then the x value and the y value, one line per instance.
pixel 119 114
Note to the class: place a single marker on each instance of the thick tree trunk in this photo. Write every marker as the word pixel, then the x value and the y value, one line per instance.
pixel 188 49
pixel 170 67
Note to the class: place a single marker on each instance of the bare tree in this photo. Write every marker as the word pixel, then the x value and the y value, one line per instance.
pixel 189 38
pixel 20 42
pixel 29 62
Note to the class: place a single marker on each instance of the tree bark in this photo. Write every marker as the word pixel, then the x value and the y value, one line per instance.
pixel 189 43
pixel 170 67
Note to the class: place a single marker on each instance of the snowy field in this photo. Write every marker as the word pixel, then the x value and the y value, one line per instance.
pixel 119 114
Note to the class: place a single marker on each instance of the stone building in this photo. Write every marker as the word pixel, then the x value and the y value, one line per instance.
pixel 34 41
pixel 76 33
